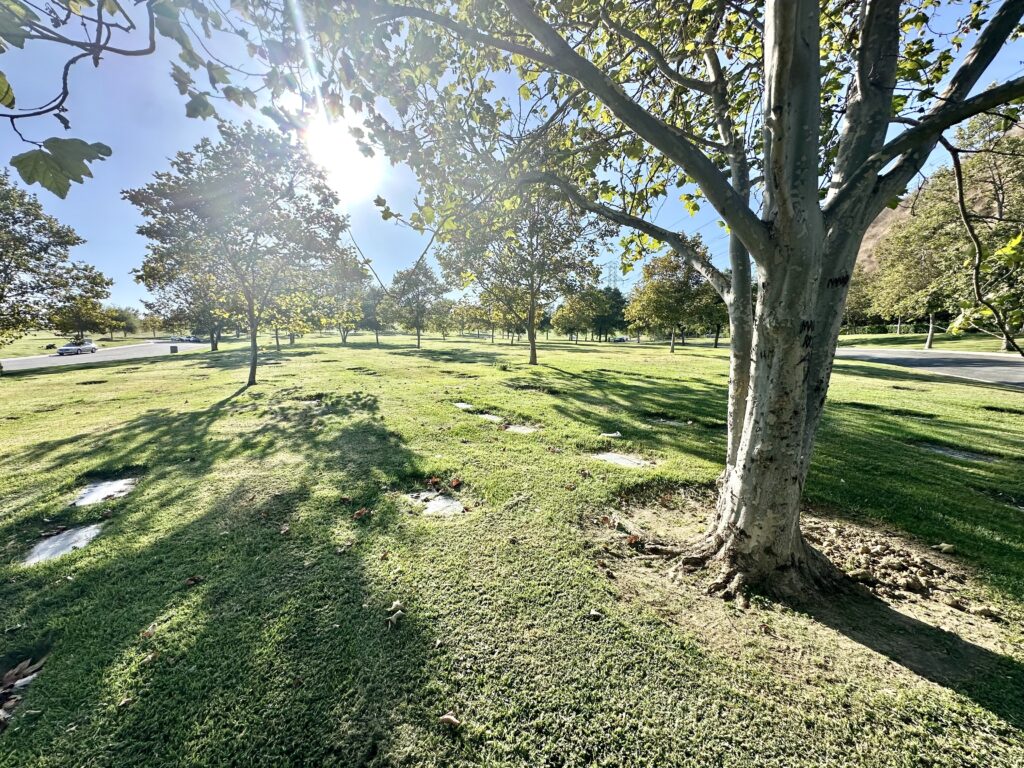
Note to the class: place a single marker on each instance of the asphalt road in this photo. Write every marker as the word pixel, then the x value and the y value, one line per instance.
pixel 1003 369
pixel 105 355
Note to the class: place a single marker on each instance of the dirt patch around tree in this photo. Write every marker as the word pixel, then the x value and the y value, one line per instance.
pixel 909 615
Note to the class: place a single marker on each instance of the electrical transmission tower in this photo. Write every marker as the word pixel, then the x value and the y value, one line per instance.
pixel 612 274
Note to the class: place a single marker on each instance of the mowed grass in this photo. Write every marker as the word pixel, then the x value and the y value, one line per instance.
pixel 966 342
pixel 232 612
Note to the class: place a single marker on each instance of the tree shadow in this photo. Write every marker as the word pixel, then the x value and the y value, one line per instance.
pixel 486 357
pixel 251 629
pixel 990 679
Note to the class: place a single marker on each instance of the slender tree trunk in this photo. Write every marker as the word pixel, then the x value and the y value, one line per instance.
pixel 291 338
pixel 254 348
pixel 899 326
pixel 672 341
pixel 931 331
pixel 682 337
pixel 277 339
pixel 718 333
pixel 531 331
pixel 376 336
pixel 417 337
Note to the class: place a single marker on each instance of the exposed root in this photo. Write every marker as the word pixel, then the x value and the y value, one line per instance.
pixel 741 574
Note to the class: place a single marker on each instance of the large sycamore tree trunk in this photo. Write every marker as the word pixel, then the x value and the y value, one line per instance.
pixel 803 240
pixel 782 348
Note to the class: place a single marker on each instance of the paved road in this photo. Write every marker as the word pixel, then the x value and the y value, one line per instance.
pixel 1006 370
pixel 105 355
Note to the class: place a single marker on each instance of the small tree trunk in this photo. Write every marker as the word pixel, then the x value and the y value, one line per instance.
pixel 417 337
pixel 899 325
pixel 1005 346
pixel 718 333
pixel 682 337
pixel 291 338
pixel 376 336
pixel 531 331
pixel 277 339
pixel 931 331
pixel 254 348
pixel 672 341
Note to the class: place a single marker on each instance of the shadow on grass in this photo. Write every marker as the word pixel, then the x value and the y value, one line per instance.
pixel 476 355
pixel 248 627
pixel 991 680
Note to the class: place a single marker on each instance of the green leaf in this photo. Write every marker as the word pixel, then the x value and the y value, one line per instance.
pixel 11 31
pixel 218 75
pixel 181 78
pixel 199 106
pixel 37 166
pixel 59 162
pixel 6 92
pixel 234 95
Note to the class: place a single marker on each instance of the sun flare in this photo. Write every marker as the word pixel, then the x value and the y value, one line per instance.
pixel 353 176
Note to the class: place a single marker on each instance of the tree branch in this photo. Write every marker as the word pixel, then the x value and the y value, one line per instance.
pixel 679 243
pixel 467 32
pixel 952 107
pixel 715 185
pixel 656 56
pixel 965 217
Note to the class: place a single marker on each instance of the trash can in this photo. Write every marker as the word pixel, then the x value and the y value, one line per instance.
pixel 174 348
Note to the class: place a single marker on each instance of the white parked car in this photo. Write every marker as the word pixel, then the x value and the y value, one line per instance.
pixel 77 347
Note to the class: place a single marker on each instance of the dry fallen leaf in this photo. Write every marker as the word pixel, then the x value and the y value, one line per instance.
pixel 455 482
pixel 394 618
pixel 191 581
pixel 285 529
pixel 360 513
pixel 125 702
pixel 396 606
pixel 434 481
pixel 449 719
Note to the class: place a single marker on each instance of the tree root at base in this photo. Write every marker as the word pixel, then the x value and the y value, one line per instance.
pixel 741 574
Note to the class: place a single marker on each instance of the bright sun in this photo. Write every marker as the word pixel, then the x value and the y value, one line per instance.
pixel 354 176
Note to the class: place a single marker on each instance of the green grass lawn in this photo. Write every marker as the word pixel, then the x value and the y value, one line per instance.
pixel 968 342
pixel 232 612
pixel 35 343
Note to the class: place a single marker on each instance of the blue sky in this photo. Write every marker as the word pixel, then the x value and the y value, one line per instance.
pixel 132 105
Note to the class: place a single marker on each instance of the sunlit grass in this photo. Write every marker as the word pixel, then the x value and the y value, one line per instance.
pixel 279 653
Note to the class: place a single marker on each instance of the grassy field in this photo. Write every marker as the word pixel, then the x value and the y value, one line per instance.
pixel 35 343
pixel 232 612
pixel 969 342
